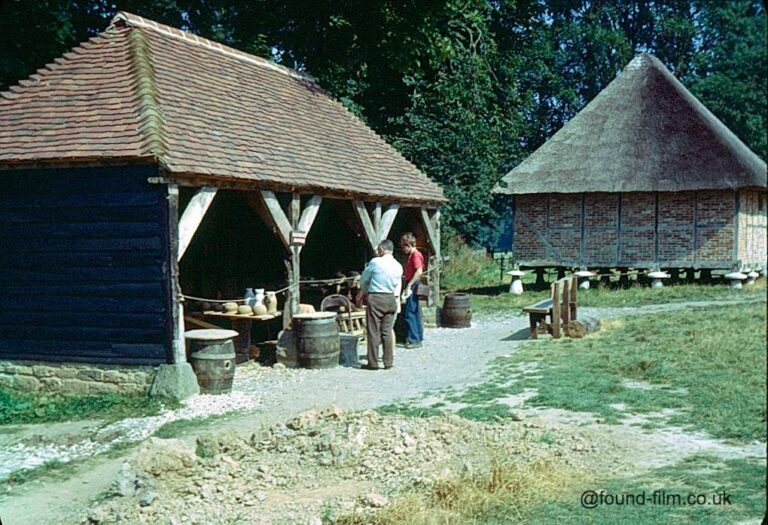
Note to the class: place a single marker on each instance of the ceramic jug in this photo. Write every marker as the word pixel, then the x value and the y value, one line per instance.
pixel 259 297
pixel 271 302
pixel 249 297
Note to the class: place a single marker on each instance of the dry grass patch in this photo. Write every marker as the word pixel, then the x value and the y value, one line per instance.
pixel 504 494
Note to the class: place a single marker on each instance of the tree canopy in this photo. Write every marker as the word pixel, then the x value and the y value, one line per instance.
pixel 463 88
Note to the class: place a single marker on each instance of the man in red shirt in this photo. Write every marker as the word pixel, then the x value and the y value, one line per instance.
pixel 414 268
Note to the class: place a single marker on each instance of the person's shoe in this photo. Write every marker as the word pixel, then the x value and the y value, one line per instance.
pixel 413 345
pixel 388 367
pixel 368 367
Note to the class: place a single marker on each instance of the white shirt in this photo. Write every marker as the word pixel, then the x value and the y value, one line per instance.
pixel 382 275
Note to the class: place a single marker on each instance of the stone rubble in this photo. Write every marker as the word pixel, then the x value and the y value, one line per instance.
pixel 320 463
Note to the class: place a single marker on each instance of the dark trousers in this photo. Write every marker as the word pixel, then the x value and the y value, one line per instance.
pixel 412 317
pixel 381 310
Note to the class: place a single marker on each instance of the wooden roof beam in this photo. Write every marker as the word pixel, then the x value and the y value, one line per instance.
pixel 370 232
pixel 193 216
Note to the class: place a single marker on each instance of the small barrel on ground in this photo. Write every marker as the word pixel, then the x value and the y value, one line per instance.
pixel 212 356
pixel 317 339
pixel 457 311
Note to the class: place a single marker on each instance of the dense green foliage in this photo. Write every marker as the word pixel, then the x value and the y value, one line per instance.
pixel 464 88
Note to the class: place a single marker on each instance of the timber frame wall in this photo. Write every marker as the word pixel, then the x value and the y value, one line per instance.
pixel 89 259
pixel 701 229
pixel 292 224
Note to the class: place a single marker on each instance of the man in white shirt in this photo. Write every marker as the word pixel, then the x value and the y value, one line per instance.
pixel 380 281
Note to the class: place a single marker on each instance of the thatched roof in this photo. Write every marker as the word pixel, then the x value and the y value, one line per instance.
pixel 145 92
pixel 644 132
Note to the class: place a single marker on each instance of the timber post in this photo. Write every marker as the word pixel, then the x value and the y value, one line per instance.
pixel 292 230
pixel 432 227
pixel 296 244
pixel 175 379
pixel 179 351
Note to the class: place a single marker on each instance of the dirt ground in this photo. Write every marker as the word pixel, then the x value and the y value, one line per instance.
pixel 266 398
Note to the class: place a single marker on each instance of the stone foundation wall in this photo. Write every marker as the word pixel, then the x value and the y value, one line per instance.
pixel 75 379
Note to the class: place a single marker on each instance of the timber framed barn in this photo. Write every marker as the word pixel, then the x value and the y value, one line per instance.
pixel 643 177
pixel 148 163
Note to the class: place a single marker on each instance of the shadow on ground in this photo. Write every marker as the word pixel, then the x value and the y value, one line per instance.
pixel 521 335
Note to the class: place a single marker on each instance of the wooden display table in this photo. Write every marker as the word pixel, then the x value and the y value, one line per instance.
pixel 242 324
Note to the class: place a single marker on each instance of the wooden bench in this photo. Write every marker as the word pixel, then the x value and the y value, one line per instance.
pixel 560 308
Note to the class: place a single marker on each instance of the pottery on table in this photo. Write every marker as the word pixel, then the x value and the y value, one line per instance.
pixel 258 297
pixel 270 301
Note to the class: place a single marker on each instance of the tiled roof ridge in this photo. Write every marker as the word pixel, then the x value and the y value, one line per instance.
pixel 149 109
pixel 132 20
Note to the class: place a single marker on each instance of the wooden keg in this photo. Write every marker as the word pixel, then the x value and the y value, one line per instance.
pixel 317 339
pixel 212 356
pixel 457 312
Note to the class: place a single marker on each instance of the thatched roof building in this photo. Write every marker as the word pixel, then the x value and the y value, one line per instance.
pixel 644 132
pixel 643 176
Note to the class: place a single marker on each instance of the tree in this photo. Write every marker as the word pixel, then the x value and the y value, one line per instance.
pixel 728 73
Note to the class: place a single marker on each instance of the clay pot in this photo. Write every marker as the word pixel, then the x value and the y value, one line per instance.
pixel 271 302
pixel 260 309
pixel 230 307
pixel 244 309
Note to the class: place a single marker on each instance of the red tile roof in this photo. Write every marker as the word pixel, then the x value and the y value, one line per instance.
pixel 142 91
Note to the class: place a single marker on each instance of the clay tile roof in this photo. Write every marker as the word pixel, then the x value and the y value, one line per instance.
pixel 644 132
pixel 144 92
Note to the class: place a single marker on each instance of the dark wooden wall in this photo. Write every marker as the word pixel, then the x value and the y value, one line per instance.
pixel 83 273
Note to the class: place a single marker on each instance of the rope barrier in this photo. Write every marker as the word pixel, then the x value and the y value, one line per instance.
pixel 336 280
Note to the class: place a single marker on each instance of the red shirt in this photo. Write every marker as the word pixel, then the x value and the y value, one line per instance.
pixel 415 262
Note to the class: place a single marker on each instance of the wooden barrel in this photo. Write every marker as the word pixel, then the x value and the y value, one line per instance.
pixel 317 339
pixel 212 356
pixel 456 312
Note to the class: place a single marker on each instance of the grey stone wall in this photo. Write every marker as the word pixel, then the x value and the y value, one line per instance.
pixel 75 379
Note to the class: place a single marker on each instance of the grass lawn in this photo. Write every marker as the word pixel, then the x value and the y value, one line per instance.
pixel 707 480
pixel 609 297
pixel 708 364
pixel 18 408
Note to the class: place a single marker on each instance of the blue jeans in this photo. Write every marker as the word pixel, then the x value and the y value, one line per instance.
pixel 412 317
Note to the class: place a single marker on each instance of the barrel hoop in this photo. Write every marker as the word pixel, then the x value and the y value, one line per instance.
pixel 211 357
